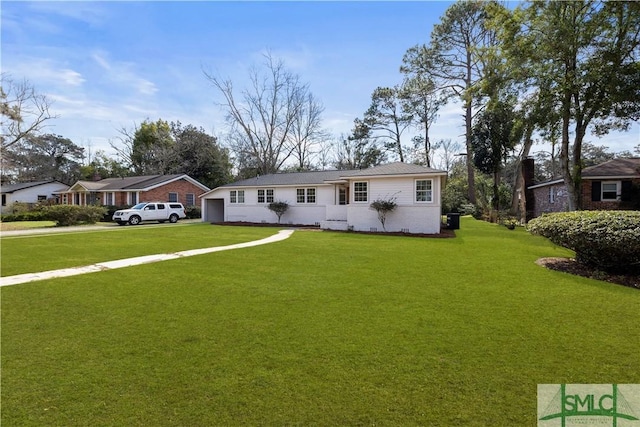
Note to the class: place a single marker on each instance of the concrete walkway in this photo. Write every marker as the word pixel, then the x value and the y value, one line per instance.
pixel 147 259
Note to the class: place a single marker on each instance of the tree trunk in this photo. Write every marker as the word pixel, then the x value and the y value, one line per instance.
pixel 471 180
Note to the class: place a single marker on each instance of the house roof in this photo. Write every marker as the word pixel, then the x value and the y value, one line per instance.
pixel 10 188
pixel 616 168
pixel 620 168
pixel 134 183
pixel 398 168
pixel 322 177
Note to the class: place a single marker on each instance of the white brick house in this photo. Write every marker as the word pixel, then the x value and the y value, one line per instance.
pixel 338 199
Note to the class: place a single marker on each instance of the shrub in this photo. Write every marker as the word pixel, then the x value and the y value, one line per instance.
pixel 609 240
pixel 19 208
pixel 279 208
pixel 65 215
pixel 110 210
pixel 383 207
pixel 193 212
pixel 38 215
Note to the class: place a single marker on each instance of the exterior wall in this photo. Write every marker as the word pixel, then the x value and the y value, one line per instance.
pixel 545 204
pixel 408 219
pixel 298 213
pixel 30 195
pixel 589 204
pixel 410 216
pixel 182 187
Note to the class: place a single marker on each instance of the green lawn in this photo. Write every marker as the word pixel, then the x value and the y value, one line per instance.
pixel 321 329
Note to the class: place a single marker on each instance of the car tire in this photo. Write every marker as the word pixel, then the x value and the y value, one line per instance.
pixel 134 220
pixel 173 218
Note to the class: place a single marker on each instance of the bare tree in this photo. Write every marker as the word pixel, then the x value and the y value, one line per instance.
pixel 263 120
pixel 448 152
pixel 307 133
pixel 23 111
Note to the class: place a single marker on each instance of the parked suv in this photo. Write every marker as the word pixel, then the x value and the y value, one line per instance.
pixel 150 211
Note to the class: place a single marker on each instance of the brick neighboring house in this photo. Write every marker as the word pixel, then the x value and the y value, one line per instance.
pixel 612 185
pixel 130 190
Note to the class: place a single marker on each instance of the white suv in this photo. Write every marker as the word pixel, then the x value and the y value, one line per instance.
pixel 150 211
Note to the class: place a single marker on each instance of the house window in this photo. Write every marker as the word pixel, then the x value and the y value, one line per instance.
pixel 360 192
pixel 236 196
pixel 265 195
pixel 610 190
pixel 173 197
pixel 305 195
pixel 552 195
pixel 134 198
pixel 4 200
pixel 424 190
pixel 191 199
pixel 42 197
pixel 108 199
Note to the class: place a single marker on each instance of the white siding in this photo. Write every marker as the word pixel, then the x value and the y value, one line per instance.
pixel 30 195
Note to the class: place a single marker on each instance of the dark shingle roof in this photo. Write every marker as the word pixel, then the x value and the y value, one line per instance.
pixel 321 177
pixel 292 178
pixel 128 183
pixel 10 188
pixel 397 168
pixel 629 167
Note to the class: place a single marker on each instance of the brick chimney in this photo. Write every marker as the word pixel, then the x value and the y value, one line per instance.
pixel 528 173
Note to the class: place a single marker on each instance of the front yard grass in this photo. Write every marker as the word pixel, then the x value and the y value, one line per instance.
pixel 33 253
pixel 324 328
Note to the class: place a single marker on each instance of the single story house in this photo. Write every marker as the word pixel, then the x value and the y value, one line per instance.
pixel 335 199
pixel 611 185
pixel 30 192
pixel 135 189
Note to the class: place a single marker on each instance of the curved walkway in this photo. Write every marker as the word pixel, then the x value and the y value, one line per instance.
pixel 147 259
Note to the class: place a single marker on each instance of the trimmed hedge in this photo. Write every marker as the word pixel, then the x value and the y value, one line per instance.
pixel 39 215
pixel 609 240
pixel 65 215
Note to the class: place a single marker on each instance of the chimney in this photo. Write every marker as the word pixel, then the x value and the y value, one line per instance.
pixel 528 173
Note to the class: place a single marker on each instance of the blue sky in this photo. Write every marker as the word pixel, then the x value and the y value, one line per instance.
pixel 109 65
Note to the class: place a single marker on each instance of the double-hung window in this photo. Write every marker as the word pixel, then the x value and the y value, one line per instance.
pixel 360 191
pixel 424 190
pixel 191 199
pixel 610 190
pixel 236 196
pixel 173 197
pixel 265 195
pixel 305 195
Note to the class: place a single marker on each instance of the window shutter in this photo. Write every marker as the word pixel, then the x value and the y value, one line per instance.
pixel 627 190
pixel 596 191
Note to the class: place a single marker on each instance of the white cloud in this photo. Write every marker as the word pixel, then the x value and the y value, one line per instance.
pixel 71 77
pixel 89 12
pixel 124 74
pixel 44 71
